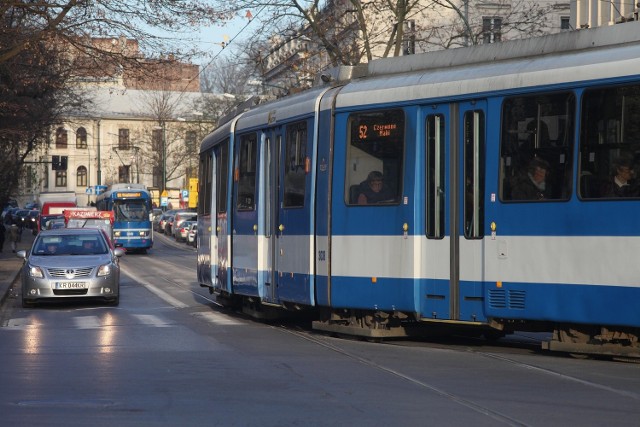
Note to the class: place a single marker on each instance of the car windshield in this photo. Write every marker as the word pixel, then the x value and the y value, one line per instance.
pixel 53 245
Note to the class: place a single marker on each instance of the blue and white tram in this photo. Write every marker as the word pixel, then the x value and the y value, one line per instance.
pixel 131 205
pixel 454 138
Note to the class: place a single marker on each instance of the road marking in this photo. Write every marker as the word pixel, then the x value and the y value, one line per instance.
pixel 154 289
pixel 151 320
pixel 218 319
pixel 87 322
pixel 21 323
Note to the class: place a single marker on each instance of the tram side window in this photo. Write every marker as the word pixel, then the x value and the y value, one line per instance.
pixel 204 206
pixel 610 143
pixel 295 165
pixel 222 177
pixel 474 172
pixel 536 147
pixel 435 176
pixel 375 152
pixel 246 172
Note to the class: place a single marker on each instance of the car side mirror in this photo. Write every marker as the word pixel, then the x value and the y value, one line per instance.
pixel 22 254
pixel 118 252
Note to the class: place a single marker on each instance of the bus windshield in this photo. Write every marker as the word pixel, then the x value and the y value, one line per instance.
pixel 131 210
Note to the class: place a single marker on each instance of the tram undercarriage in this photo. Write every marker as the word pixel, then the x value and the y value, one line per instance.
pixel 593 340
pixel 574 339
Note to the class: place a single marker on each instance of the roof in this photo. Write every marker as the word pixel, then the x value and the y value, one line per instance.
pixel 118 103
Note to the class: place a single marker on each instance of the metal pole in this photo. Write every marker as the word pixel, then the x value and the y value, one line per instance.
pixel 164 156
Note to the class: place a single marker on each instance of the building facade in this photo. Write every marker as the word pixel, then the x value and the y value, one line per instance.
pixel 120 140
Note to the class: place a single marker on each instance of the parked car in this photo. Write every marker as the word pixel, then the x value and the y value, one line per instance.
pixel 168 225
pixel 192 235
pixel 155 223
pixel 182 230
pixel 70 263
pixel 179 218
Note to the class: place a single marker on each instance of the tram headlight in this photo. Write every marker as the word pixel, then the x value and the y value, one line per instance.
pixel 144 233
pixel 116 234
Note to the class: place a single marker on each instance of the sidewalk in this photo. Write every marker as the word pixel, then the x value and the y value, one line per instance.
pixel 10 264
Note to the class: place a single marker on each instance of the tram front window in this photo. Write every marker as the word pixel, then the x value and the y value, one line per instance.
pixel 131 211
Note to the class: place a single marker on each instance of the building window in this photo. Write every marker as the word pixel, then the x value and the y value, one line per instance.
pixel 81 176
pixel 565 24
pixel 123 139
pixel 123 173
pixel 61 138
pixel 61 178
pixel 156 140
pixel 157 176
pixel 81 138
pixel 29 177
pixel 491 30
pixel 191 140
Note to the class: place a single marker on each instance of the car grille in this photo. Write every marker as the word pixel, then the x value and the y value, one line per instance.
pixel 70 292
pixel 77 272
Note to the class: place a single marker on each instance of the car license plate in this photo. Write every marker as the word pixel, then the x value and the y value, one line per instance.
pixel 71 285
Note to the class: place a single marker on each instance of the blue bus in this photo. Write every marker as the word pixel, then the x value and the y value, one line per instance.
pixel 131 205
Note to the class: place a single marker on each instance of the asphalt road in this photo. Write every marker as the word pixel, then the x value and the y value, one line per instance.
pixel 170 356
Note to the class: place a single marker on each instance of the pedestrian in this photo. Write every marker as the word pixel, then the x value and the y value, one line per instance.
pixel 13 236
pixel 3 230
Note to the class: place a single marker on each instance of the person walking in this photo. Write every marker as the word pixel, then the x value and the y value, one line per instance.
pixel 14 233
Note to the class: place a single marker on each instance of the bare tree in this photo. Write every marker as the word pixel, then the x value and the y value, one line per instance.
pixel 227 76
pixel 43 44
pixel 349 32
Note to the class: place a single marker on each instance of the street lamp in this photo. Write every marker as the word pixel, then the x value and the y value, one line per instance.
pixel 164 153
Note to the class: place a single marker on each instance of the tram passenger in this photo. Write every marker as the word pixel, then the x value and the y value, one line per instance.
pixel 622 184
pixel 373 190
pixel 532 184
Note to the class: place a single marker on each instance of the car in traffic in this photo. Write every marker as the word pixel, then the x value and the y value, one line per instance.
pixel 32 219
pixel 47 220
pixel 179 218
pixel 70 264
pixel 192 235
pixel 182 230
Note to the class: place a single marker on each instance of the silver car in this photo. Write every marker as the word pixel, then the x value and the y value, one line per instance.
pixel 71 263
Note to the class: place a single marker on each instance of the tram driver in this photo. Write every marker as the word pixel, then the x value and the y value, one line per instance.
pixel 373 190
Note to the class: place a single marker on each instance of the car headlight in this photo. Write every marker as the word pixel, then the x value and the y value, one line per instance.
pixel 35 272
pixel 104 270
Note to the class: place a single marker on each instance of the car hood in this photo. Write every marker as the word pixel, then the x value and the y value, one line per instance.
pixel 63 261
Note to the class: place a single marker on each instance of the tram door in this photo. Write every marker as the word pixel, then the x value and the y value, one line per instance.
pixel 467 212
pixel 271 162
pixel 454 211
pixel 219 226
pixel 287 214
pixel 206 211
pixel 436 261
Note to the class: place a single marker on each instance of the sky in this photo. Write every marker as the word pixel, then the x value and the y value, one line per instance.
pixel 232 32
